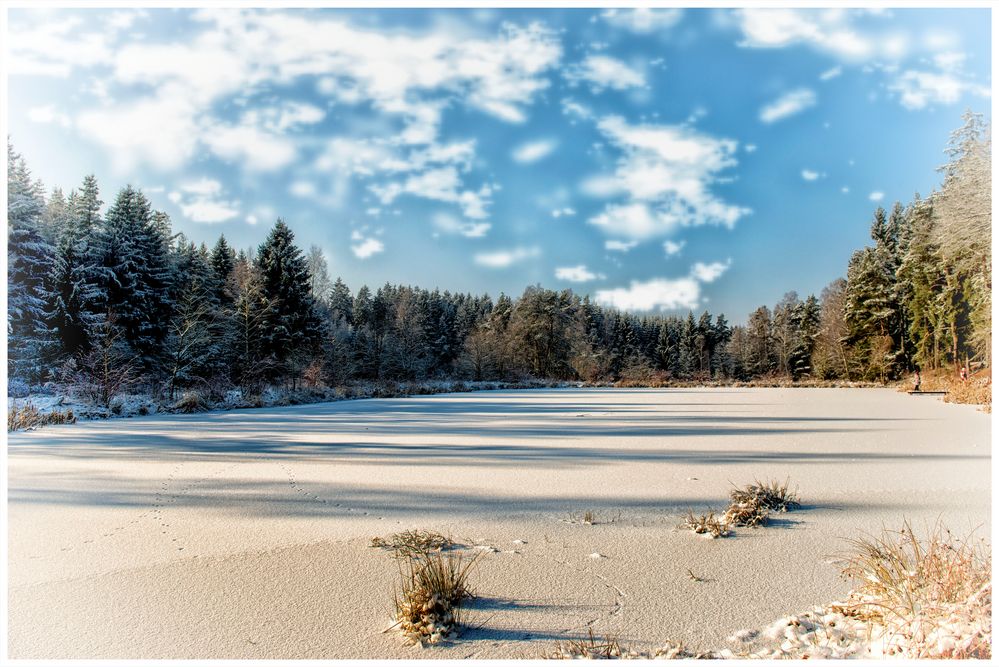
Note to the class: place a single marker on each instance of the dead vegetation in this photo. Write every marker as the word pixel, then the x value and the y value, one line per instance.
pixel 432 592
pixel 928 598
pixel 24 417
pixel 705 524
pixel 590 648
pixel 413 543
pixel 593 647
pixel 774 495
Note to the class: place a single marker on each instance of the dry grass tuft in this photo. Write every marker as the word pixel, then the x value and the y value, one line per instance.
pixel 775 496
pixel 413 543
pixel 705 524
pixel 28 416
pixel 589 648
pixel 431 594
pixel 931 597
pixel 748 513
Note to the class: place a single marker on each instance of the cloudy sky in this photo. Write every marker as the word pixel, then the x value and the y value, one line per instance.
pixel 656 159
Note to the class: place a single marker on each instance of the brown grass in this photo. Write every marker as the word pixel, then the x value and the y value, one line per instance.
pixel 413 543
pixel 933 595
pixel 590 648
pixel 774 495
pixel 705 524
pixel 749 514
pixel 20 417
pixel 432 591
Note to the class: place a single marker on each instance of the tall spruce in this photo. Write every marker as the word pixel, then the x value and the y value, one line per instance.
pixel 289 324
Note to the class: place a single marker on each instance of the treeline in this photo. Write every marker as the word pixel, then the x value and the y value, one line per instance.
pixel 101 303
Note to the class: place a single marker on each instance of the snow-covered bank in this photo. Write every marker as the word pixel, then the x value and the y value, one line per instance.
pixel 246 534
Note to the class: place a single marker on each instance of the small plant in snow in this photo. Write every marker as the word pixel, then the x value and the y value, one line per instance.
pixel 431 595
pixel 705 524
pixel 413 543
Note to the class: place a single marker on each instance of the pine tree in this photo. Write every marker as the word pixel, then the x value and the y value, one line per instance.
pixel 133 247
pixel 289 324
pixel 806 316
pixel 29 262
pixel 341 303
pixel 223 261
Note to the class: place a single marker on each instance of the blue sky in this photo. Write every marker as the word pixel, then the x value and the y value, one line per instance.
pixel 655 159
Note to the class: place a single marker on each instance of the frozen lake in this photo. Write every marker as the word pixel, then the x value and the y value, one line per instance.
pixel 245 534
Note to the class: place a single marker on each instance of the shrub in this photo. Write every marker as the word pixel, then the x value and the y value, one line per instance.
pixel 28 416
pixel 17 388
pixel 413 543
pixel 432 592
pixel 774 496
pixel 191 401
pixel 747 513
pixel 705 524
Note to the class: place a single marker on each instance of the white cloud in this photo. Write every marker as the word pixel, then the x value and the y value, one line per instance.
pixel 877 195
pixel 664 293
pixel 303 189
pixel 667 172
pixel 750 148
pixel 229 55
pixel 205 187
pixel 810 175
pixel 787 105
pixel 845 190
pixel 918 89
pixel 828 31
pixel 161 131
pixel 831 73
pixel 949 60
pixel 673 247
pixel 251 219
pixel 256 148
pixel 575 110
pixel 452 225
pixel 577 274
pixel 440 184
pixel 615 245
pixel 643 20
pixel 209 211
pixel 603 72
pixel 655 294
pixel 852 38
pixel 636 220
pixel 49 114
pixel 501 259
pixel 563 212
pixel 365 246
pixel 203 201
pixel 55 48
pixel 708 273
pixel 533 151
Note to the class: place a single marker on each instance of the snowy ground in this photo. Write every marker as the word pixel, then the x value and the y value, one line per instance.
pixel 244 534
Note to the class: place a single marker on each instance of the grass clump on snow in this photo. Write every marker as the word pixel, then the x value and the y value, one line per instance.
pixel 413 543
pixel 608 648
pixel 22 417
pixel 706 524
pixel 751 505
pixel 926 598
pixel 774 495
pixel 432 592
pixel 590 648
